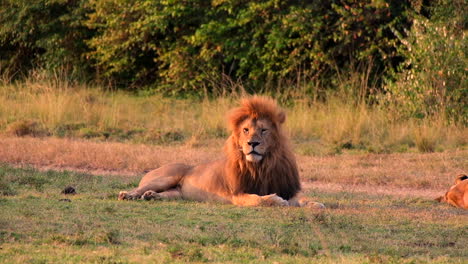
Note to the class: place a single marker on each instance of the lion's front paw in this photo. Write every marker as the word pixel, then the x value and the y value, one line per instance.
pixel 274 200
pixel 315 205
pixel 123 196
pixel 305 202
pixel 128 196
pixel 150 195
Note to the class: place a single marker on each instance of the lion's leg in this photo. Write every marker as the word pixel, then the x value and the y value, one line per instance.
pixel 170 194
pixel 301 201
pixel 159 180
pixel 256 200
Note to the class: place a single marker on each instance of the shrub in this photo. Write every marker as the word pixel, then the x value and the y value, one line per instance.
pixel 433 78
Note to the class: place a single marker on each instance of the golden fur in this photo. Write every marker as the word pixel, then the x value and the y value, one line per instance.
pixel 457 195
pixel 258 168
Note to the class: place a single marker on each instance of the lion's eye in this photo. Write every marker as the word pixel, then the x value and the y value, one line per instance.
pixel 246 130
pixel 264 130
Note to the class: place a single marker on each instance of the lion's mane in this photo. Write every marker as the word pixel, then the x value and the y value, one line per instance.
pixel 277 172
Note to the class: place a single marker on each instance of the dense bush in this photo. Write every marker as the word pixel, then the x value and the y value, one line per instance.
pixel 192 46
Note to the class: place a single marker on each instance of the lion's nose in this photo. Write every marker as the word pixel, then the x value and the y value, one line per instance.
pixel 253 143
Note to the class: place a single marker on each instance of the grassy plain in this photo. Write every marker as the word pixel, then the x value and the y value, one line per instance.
pixel 37 226
pixel 376 172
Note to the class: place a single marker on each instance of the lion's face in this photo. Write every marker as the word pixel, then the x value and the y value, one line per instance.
pixel 255 138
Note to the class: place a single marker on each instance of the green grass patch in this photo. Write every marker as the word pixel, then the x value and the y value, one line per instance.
pixel 38 226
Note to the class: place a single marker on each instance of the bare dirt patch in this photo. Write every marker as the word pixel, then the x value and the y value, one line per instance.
pixel 415 174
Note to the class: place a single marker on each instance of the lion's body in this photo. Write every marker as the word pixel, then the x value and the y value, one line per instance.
pixel 258 168
pixel 457 195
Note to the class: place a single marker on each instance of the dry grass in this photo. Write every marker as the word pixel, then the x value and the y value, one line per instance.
pixel 63 110
pixel 343 125
pixel 87 112
pixel 411 170
pixel 431 171
pixel 83 155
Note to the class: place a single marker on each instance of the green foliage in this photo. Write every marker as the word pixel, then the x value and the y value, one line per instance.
pixel 196 46
pixel 192 46
pixel 43 33
pixel 433 78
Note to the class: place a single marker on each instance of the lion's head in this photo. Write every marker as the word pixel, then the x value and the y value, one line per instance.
pixel 259 158
pixel 256 127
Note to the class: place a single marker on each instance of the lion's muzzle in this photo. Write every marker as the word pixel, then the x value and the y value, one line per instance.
pixel 254 156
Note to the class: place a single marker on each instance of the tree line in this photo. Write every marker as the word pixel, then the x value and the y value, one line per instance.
pixel 197 47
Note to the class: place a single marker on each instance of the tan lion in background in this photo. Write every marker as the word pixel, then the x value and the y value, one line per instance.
pixel 258 167
pixel 457 195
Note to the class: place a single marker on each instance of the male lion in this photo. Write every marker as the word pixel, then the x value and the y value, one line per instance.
pixel 457 195
pixel 258 168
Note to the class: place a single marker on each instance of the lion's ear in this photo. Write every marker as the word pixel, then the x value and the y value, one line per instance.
pixel 460 178
pixel 281 117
